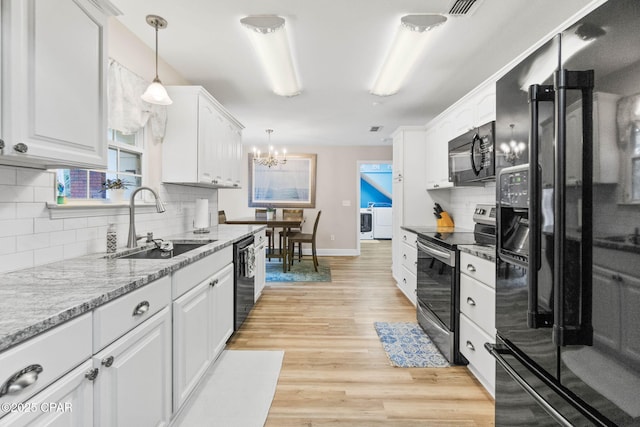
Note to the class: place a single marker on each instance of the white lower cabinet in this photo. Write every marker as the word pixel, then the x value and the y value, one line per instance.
pixel 133 386
pixel 202 324
pixel 477 316
pixel 67 402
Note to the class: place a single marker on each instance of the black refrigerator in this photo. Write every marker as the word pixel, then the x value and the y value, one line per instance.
pixel 568 195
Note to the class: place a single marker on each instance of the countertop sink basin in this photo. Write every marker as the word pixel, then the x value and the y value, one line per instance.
pixel 179 248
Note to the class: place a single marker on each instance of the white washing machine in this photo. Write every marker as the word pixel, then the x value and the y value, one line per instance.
pixel 366 223
pixel 382 223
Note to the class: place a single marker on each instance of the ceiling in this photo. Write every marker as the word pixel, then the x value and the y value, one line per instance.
pixel 338 48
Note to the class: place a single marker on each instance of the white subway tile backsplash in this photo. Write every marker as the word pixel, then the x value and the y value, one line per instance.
pixel 75 223
pixel 29 237
pixel 73 250
pixel 47 255
pixel 31 210
pixel 16 193
pixel 33 241
pixel 7 245
pixel 7 210
pixel 46 225
pixel 16 261
pixel 63 237
pixel 34 177
pixel 16 227
pixel 8 175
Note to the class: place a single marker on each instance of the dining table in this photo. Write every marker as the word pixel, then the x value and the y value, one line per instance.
pixel 277 222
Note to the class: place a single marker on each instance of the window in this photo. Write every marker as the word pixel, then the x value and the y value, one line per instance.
pixel 124 162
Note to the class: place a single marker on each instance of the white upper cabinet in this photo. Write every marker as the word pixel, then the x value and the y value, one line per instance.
pixel 437 160
pixel 203 142
pixel 54 83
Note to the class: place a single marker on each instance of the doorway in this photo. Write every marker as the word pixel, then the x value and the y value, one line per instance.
pixel 374 200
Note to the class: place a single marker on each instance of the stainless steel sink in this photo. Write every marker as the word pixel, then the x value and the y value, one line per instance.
pixel 179 248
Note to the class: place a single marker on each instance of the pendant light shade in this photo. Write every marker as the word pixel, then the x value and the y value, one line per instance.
pixel 156 93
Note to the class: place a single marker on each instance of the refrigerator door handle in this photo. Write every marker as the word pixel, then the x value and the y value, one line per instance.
pixel 537 94
pixel 578 330
pixel 557 416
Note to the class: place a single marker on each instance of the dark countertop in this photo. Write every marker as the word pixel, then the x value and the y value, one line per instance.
pixel 486 252
pixel 36 299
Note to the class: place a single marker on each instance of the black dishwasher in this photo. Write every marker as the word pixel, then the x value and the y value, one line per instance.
pixel 243 279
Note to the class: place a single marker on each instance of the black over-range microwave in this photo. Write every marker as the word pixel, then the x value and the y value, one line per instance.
pixel 472 156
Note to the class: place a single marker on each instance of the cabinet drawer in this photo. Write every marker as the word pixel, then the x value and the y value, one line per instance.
pixel 472 340
pixel 191 275
pixel 408 237
pixel 407 284
pixel 114 319
pixel 478 268
pixel 478 302
pixel 409 257
pixel 260 237
pixel 56 351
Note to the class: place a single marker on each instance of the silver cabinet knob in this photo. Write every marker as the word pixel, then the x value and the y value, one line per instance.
pixel 91 374
pixel 470 346
pixel 107 361
pixel 214 282
pixel 471 268
pixel 20 380
pixel 470 301
pixel 21 148
pixel 1 144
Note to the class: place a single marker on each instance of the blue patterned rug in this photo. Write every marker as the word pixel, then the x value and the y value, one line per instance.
pixel 300 272
pixel 408 346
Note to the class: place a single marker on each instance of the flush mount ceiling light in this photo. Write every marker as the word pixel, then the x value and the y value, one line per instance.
pixel 411 39
pixel 269 38
pixel 156 93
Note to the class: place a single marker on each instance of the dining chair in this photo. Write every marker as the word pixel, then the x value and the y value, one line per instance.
pixel 301 238
pixel 295 214
pixel 222 217
pixel 262 214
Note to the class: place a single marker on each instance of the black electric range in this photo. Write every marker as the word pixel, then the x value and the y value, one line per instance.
pixel 437 284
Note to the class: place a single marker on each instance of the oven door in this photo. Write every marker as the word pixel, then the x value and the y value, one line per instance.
pixel 436 281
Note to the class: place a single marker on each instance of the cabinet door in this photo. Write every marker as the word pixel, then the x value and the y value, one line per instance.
pixel 135 389
pixel 438 156
pixel 191 336
pixel 55 97
pixel 485 103
pixel 222 304
pixel 67 402
pixel 207 150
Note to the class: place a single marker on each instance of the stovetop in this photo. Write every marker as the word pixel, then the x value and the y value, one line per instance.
pixel 447 238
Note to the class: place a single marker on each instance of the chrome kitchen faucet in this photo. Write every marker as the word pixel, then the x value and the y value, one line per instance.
pixel 132 241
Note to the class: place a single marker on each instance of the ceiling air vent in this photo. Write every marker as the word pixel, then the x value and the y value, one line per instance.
pixel 463 7
pixel 375 128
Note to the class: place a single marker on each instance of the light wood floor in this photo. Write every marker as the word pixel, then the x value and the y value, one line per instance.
pixel 335 372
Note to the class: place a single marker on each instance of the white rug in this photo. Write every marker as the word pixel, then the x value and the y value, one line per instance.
pixel 237 391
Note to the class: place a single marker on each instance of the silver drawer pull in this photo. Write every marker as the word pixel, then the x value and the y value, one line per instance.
pixel 21 147
pixel 214 282
pixel 21 380
pixel 470 346
pixel 471 268
pixel 141 308
pixel 107 361
pixel 470 301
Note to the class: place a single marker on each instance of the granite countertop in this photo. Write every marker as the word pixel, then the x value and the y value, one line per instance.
pixel 486 252
pixel 36 299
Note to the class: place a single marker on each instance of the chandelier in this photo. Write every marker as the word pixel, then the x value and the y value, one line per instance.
pixel 513 150
pixel 272 158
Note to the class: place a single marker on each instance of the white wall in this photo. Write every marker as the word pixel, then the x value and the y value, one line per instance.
pixel 30 237
pixel 337 181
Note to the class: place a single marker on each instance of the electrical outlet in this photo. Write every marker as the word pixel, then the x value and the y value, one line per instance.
pixel 333 237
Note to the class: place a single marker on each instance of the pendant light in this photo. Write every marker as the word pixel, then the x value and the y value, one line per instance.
pixel 156 93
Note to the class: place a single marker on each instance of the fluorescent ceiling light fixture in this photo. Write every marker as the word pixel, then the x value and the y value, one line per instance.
pixel 156 93
pixel 269 38
pixel 410 41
